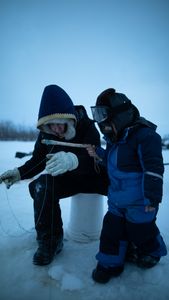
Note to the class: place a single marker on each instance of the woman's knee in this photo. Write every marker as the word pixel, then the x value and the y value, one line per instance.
pixel 38 186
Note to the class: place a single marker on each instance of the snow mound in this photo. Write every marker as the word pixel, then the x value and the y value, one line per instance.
pixel 69 281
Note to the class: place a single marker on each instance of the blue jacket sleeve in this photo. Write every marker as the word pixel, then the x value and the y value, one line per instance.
pixel 150 151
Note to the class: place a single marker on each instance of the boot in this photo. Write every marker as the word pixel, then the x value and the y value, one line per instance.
pixel 46 251
pixel 103 275
pixel 147 261
pixel 135 256
pixel 132 253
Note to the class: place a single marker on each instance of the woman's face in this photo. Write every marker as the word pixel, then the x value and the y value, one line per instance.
pixel 58 129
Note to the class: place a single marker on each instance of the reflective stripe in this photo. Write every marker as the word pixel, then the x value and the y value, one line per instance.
pixel 154 174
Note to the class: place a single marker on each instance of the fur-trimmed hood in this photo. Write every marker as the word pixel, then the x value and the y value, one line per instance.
pixel 56 107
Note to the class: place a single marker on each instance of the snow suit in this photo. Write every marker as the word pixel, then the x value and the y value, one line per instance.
pixel 135 169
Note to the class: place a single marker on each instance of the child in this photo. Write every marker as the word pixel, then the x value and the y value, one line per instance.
pixel 133 157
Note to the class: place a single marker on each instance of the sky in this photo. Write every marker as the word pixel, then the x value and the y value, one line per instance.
pixel 84 47
pixel 68 277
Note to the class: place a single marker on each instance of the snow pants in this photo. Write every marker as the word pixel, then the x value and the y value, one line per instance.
pixel 47 191
pixel 117 231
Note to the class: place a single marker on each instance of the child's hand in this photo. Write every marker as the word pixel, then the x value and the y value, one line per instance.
pixel 92 152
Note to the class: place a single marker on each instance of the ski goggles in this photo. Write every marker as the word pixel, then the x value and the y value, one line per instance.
pixel 100 113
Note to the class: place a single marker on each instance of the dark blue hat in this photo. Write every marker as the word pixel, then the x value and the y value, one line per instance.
pixel 55 104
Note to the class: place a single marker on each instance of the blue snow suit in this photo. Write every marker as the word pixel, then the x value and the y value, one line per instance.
pixel 135 169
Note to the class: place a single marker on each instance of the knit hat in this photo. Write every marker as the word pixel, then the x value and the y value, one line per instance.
pixel 114 108
pixel 55 104
pixel 118 102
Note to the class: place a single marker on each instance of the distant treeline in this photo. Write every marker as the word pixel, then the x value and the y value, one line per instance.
pixel 165 142
pixel 11 132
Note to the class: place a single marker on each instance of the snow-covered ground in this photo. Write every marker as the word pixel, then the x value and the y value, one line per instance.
pixel 69 275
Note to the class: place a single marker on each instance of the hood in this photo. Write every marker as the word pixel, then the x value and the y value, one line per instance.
pixel 55 104
pixel 56 107
pixel 142 121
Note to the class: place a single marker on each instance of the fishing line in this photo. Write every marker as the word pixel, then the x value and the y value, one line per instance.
pixel 52 221
pixel 16 220
pixel 39 216
pixel 96 167
pixel 14 215
pixel 12 211
pixel 9 234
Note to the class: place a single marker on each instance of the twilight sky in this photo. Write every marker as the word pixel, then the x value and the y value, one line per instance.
pixel 85 47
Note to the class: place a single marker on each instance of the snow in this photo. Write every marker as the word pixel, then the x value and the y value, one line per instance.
pixel 69 275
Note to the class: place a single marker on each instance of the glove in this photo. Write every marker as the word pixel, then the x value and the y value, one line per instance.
pixel 61 162
pixel 10 177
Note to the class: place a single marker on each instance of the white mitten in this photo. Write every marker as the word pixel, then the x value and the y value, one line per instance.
pixel 10 177
pixel 61 162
